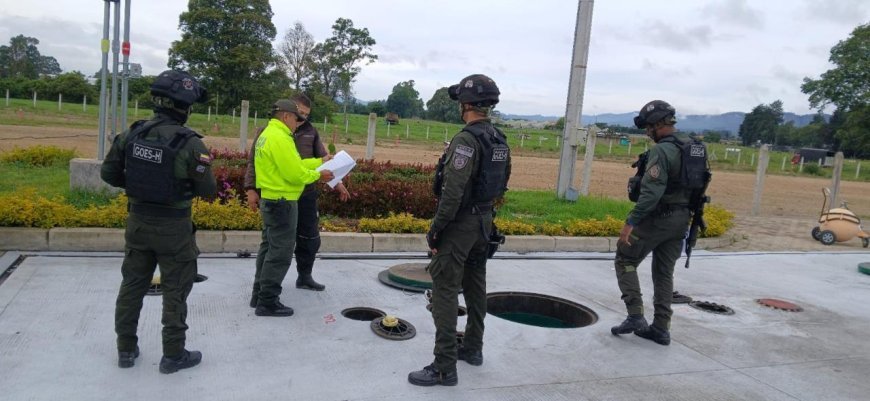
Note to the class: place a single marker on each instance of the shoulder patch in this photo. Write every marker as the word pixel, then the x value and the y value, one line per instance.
pixel 654 171
pixel 460 161
pixel 467 151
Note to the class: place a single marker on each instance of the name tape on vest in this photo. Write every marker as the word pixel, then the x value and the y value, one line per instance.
pixel 499 154
pixel 147 153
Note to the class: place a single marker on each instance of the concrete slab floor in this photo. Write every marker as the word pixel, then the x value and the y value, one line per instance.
pixel 57 340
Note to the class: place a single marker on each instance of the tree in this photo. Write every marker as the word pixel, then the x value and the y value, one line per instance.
pixel 405 100
pixel 73 86
pixel 441 108
pixel 378 107
pixel 712 137
pixel 847 86
pixel 228 45
pixel 345 50
pixel 22 59
pixel 323 75
pixel 761 123
pixel 296 52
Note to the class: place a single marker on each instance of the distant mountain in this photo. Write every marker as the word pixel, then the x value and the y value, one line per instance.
pixel 694 122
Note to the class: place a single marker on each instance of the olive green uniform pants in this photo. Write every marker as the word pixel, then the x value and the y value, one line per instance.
pixel 459 264
pixel 151 241
pixel 276 248
pixel 662 234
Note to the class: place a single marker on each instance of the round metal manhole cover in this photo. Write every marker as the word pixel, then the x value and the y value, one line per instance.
pixel 363 313
pixel 393 328
pixel 712 307
pixel 407 276
pixel 678 298
pixel 462 311
pixel 779 304
pixel 864 267
pixel 539 310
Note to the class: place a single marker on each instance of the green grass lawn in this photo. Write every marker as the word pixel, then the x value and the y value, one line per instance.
pixel 538 207
pixel 430 134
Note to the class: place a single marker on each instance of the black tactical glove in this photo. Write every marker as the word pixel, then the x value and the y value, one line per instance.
pixel 432 239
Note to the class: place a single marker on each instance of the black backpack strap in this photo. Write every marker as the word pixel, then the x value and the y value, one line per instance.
pixel 181 137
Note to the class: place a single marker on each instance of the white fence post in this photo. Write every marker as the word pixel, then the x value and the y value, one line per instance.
pixel 243 127
pixel 835 178
pixel 759 179
pixel 370 140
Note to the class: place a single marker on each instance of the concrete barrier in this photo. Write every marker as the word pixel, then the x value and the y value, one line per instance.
pixel 528 243
pixel 86 239
pixel 241 241
pixel 23 239
pixel 582 244
pixel 345 242
pixel 210 241
pixel 399 243
pixel 85 174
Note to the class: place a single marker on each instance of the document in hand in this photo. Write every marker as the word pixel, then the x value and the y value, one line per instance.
pixel 340 165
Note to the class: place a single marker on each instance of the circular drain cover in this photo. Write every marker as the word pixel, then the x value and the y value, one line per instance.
pixel 864 267
pixel 779 304
pixel 407 276
pixel 154 289
pixel 393 328
pixel 712 307
pixel 680 298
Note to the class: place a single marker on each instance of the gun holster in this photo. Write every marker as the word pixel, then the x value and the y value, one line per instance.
pixel 495 239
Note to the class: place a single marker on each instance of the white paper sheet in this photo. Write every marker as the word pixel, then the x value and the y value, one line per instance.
pixel 340 165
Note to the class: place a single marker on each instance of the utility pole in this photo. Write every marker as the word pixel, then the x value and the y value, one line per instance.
pixel 574 107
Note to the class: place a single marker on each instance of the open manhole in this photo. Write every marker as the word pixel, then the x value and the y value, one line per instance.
pixel 539 310
pixel 393 328
pixel 363 313
pixel 712 307
pixel 462 311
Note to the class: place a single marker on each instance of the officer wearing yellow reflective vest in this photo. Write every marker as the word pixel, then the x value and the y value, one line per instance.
pixel 161 165
pixel 473 173
pixel 658 223
pixel 281 177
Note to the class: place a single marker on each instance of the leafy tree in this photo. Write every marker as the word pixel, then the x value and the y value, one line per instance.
pixel 296 52
pixel 22 59
pixel 761 123
pixel 73 86
pixel 378 107
pixel 847 86
pixel 405 100
pixel 228 45
pixel 441 108
pixel 712 137
pixel 323 77
pixel 346 49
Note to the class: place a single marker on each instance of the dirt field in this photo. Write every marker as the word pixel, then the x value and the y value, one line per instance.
pixel 789 208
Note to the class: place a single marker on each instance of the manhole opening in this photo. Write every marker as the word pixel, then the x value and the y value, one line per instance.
pixel 462 311
pixel 712 307
pixel 363 313
pixel 399 330
pixel 539 310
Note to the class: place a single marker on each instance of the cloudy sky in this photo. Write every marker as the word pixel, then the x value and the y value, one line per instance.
pixel 703 56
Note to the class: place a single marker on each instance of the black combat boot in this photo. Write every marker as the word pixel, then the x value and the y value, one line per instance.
pixel 127 359
pixel 306 282
pixel 630 324
pixel 654 333
pixel 254 299
pixel 430 376
pixel 471 356
pixel 187 359
pixel 276 309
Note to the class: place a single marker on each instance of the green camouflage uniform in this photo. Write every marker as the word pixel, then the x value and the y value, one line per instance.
pixel 660 223
pixel 159 234
pixel 460 262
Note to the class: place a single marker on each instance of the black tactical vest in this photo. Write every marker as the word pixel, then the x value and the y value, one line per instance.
pixel 150 165
pixel 694 168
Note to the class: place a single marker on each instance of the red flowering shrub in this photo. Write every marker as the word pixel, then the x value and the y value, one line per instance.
pixel 376 188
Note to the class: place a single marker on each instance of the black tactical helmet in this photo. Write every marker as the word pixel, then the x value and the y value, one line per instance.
pixel 478 90
pixel 180 87
pixel 655 111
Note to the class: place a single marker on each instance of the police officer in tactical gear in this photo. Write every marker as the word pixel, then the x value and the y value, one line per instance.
pixel 309 145
pixel 657 224
pixel 161 165
pixel 473 174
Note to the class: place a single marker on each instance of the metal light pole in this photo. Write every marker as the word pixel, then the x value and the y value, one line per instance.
pixel 104 47
pixel 125 75
pixel 574 108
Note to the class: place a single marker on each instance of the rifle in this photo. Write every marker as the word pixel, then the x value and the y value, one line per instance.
pixel 696 205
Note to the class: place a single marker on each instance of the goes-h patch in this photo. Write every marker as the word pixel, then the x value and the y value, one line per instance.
pixel 654 171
